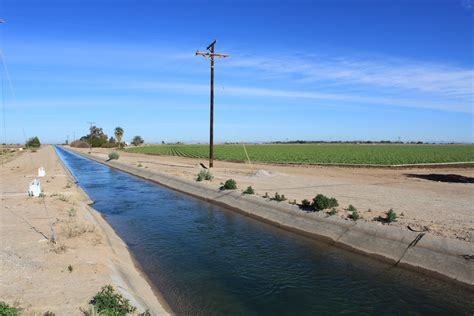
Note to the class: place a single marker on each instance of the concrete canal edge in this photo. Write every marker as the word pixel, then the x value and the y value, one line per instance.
pixel 444 258
pixel 127 275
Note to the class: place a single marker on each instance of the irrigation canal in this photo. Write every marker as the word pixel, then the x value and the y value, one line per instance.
pixel 207 260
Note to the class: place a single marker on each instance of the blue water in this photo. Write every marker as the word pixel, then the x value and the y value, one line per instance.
pixel 207 260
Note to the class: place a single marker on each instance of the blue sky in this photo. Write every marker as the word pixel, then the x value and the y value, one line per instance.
pixel 330 70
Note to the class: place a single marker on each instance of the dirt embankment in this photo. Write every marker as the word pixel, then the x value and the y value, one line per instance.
pixel 39 275
pixel 421 198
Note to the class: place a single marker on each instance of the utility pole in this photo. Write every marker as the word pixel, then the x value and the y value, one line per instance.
pixel 210 54
pixel 90 135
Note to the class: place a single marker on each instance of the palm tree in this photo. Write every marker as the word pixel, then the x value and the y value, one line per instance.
pixel 119 134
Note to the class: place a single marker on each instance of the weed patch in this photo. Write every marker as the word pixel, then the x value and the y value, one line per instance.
pixel 278 197
pixel 7 310
pixel 75 230
pixel 320 202
pixel 108 302
pixel 229 185
pixel 204 175
pixel 390 217
pixel 249 190
pixel 113 155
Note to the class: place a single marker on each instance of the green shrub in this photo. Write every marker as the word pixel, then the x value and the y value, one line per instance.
pixel 7 310
pixel 113 155
pixel 351 208
pixel 321 202
pixel 278 197
pixel 292 202
pixel 266 196
pixel 204 175
pixel 70 268
pixel 107 302
pixel 229 185
pixel 33 142
pixel 333 211
pixel 391 216
pixel 48 313
pixel 355 215
pixel 249 190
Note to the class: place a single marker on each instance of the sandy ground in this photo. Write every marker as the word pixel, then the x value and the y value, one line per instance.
pixel 442 208
pixel 34 272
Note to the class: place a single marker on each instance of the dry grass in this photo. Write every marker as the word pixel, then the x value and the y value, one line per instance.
pixel 75 230
pixel 58 248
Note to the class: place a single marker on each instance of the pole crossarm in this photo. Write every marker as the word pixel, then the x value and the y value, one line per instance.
pixel 207 54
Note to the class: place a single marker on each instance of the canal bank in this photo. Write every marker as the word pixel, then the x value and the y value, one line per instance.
pixel 436 256
pixel 39 275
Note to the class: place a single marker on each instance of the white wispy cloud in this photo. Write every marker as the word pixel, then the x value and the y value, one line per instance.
pixel 242 91
pixel 365 80
pixel 394 73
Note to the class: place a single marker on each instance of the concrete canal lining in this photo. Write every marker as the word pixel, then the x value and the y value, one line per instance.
pixel 445 258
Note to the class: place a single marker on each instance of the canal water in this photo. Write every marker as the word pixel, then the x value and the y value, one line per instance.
pixel 207 260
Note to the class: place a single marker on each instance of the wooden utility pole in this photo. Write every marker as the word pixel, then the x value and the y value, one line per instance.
pixel 210 54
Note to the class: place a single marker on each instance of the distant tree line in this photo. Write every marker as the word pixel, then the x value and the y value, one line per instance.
pixel 97 138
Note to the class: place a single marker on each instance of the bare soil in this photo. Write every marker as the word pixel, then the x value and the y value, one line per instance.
pixel 438 200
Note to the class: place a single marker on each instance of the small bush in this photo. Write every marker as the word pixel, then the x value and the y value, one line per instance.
pixel 333 211
pixel 113 155
pixel 278 197
pixel 7 310
pixel 229 185
pixel 351 208
pixel 305 204
pixel 70 268
pixel 391 216
pixel 48 313
pixel 249 190
pixel 204 175
pixel 79 144
pixel 321 202
pixel 266 196
pixel 292 202
pixel 107 302
pixel 355 215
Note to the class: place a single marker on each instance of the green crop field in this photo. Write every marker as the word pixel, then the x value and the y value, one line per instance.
pixel 378 154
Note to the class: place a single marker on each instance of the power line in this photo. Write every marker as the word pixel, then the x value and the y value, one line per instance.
pixel 210 54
